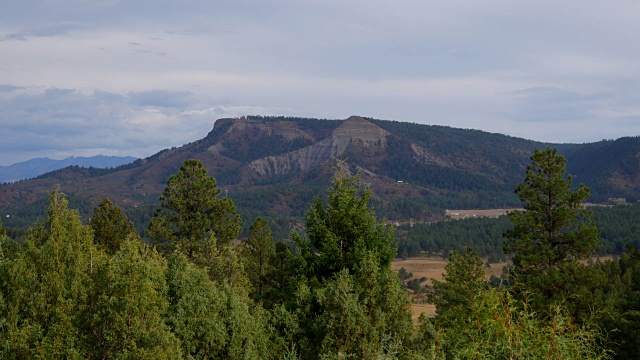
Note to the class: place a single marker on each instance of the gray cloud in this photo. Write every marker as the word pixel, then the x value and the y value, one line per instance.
pixel 50 30
pixel 144 75
pixel 9 88
pixel 162 98
pixel 550 104
pixel 59 122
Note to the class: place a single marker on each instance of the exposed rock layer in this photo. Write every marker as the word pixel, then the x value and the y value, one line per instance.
pixel 354 129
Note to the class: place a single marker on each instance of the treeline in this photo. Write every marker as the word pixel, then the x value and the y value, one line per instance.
pixel 95 290
pixel 619 227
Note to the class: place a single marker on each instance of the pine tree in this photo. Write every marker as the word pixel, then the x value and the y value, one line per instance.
pixel 552 233
pixel 46 287
pixel 349 302
pixel 463 279
pixel 190 211
pixel 110 226
pixel 257 252
pixel 344 230
pixel 124 316
pixel 3 231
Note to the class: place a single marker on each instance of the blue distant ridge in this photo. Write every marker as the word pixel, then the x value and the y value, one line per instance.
pixel 36 167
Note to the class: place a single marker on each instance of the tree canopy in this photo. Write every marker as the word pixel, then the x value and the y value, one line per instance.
pixel 552 233
pixel 191 211
pixel 110 226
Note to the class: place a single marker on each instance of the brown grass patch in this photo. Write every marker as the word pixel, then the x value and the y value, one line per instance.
pixel 432 268
pixel 418 309
pixel 475 213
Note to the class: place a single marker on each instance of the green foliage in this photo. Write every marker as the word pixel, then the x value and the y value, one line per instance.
pixel 257 252
pixel 550 230
pixel 476 321
pixel 497 326
pixel 619 227
pixel 348 301
pixel 125 312
pixel 66 294
pixel 344 230
pixel 443 237
pixel 3 231
pixel 463 278
pixel 196 309
pixel 46 286
pixel 621 292
pixel 403 274
pixel 282 279
pixel 552 233
pixel 110 226
pixel 190 211
pixel 212 320
pixel 598 164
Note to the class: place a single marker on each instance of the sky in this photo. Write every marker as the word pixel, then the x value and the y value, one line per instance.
pixel 130 78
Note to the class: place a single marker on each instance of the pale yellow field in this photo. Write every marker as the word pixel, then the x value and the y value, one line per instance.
pixel 432 268
pixel 473 213
pixel 418 309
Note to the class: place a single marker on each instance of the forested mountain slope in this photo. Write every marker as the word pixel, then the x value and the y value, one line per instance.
pixel 273 166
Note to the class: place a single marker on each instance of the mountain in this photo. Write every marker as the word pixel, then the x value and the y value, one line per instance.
pixel 36 167
pixel 274 166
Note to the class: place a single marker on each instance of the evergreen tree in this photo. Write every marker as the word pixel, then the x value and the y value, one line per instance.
pixel 212 320
pixel 124 317
pixel 110 226
pixel 46 286
pixel 282 279
pixel 498 326
pixel 190 211
pixel 552 233
pixel 344 230
pixel 463 279
pixel 257 252
pixel 348 302
pixel 3 231
pixel 622 293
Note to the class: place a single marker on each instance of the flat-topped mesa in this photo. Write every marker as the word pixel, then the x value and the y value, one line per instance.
pixel 354 129
pixel 270 128
pixel 240 127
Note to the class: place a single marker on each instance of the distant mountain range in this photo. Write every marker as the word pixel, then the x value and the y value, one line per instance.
pixel 36 167
pixel 274 166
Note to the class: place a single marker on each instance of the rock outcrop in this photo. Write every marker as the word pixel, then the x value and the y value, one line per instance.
pixel 354 129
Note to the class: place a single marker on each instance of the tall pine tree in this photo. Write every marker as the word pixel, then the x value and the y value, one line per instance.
pixel 191 210
pixel 552 234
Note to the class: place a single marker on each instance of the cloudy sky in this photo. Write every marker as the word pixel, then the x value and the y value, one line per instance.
pixel 80 77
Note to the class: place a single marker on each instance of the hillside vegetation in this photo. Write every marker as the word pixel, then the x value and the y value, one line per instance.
pixel 274 166
pixel 95 290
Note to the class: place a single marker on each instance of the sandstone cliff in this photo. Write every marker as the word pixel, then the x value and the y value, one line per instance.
pixel 289 132
pixel 354 129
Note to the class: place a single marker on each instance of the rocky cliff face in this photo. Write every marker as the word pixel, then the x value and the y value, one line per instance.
pixel 354 129
pixel 239 126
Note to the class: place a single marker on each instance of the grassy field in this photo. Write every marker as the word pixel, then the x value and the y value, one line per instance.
pixel 467 214
pixel 432 268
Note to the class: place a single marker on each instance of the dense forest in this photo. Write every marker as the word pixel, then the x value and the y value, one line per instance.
pixel 94 289
pixel 619 227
